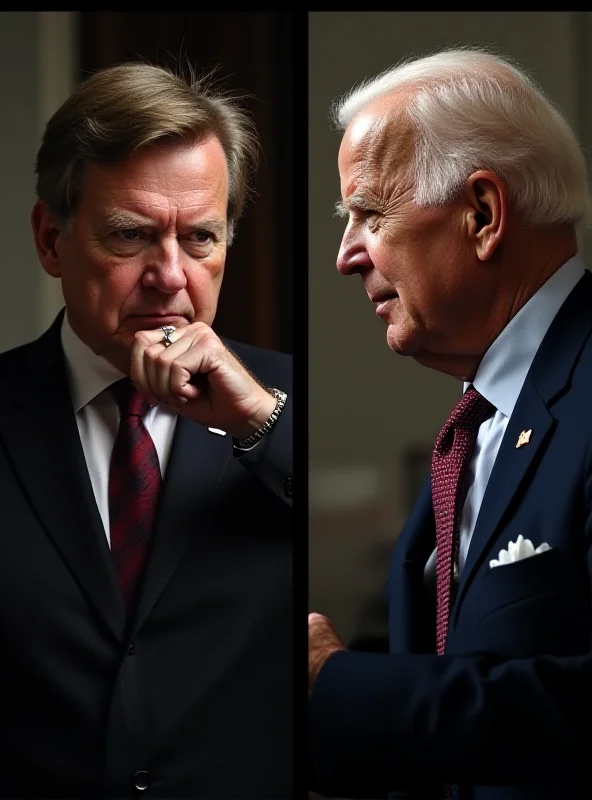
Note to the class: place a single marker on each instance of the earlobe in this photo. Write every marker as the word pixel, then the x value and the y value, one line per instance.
pixel 46 233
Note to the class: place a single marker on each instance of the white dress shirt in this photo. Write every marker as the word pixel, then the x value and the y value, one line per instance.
pixel 499 379
pixel 97 415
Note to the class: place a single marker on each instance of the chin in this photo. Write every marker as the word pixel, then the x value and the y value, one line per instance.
pixel 402 340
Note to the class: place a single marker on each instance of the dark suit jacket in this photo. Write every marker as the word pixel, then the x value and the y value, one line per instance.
pixel 198 692
pixel 506 713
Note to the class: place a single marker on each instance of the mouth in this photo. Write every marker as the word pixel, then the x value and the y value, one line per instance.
pixel 382 302
pixel 158 320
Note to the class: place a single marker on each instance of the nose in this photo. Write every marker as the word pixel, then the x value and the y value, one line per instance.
pixel 353 257
pixel 166 270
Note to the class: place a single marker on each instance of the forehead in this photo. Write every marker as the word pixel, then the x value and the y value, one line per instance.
pixel 378 142
pixel 184 176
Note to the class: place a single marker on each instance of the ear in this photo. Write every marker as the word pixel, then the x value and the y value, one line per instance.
pixel 46 233
pixel 487 212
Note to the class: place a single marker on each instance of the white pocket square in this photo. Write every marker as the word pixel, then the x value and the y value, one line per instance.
pixel 521 548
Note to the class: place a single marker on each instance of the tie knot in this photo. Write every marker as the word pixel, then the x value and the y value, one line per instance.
pixel 468 414
pixel 471 410
pixel 128 398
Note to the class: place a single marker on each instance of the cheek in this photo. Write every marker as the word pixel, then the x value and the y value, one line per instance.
pixel 108 285
pixel 90 265
pixel 204 282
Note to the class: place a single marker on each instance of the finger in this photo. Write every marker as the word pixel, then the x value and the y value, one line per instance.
pixel 156 335
pixel 165 361
pixel 159 358
pixel 181 387
pixel 157 369
pixel 200 357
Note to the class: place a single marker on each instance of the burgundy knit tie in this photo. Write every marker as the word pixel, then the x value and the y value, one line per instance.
pixel 452 453
pixel 134 487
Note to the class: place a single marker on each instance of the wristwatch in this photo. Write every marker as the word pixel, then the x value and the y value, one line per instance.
pixel 261 433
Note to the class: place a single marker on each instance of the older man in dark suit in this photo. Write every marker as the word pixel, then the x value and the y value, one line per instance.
pixel 145 470
pixel 463 187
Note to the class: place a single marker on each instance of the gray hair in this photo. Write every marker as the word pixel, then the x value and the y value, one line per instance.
pixel 125 108
pixel 472 110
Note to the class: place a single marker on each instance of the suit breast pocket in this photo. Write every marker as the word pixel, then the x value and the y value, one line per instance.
pixel 528 607
pixel 506 584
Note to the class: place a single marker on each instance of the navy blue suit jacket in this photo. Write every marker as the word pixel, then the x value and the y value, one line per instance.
pixel 506 713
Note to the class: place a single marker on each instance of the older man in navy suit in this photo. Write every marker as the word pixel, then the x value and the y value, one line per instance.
pixel 463 187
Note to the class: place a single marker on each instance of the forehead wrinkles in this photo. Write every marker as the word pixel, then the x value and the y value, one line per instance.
pixel 384 155
pixel 162 202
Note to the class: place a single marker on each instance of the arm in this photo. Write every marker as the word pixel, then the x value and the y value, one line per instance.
pixel 271 460
pixel 385 720
pixel 380 721
pixel 203 379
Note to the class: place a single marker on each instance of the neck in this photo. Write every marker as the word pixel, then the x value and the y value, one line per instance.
pixel 536 255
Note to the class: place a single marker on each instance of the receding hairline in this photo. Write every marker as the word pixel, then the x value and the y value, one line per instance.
pixel 389 141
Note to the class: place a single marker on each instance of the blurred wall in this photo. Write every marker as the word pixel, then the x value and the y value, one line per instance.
pixel 37 68
pixel 373 415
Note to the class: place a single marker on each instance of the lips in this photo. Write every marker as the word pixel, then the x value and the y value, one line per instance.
pixel 382 296
pixel 382 302
pixel 157 320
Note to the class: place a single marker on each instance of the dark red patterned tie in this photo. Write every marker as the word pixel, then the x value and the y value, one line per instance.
pixel 452 453
pixel 134 487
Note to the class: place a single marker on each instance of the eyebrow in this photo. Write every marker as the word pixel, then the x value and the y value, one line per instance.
pixel 123 220
pixel 357 200
pixel 127 219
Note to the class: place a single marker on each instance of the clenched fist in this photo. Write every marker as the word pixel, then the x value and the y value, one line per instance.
pixel 223 394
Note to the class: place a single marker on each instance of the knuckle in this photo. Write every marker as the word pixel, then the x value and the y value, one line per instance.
pixel 153 352
pixel 205 333
pixel 142 338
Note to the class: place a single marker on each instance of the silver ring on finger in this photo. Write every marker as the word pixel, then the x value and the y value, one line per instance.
pixel 167 330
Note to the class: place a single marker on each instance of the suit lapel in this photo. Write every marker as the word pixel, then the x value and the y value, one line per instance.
pixel 196 464
pixel 38 427
pixel 549 376
pixel 511 467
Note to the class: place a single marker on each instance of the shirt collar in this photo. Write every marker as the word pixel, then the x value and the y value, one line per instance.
pixel 506 363
pixel 88 373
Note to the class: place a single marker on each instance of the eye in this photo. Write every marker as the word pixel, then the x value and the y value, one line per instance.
pixel 129 234
pixel 202 237
pixel 373 221
pixel 362 214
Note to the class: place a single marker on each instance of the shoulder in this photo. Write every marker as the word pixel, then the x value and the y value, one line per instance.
pixel 16 360
pixel 28 359
pixel 269 366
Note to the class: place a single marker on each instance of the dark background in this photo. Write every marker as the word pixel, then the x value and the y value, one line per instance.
pixel 252 52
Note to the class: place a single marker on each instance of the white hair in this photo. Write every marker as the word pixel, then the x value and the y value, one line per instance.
pixel 472 110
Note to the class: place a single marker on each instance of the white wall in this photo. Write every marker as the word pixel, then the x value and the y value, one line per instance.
pixel 366 404
pixel 37 72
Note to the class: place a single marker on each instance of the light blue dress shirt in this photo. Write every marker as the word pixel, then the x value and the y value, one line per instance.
pixel 499 379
